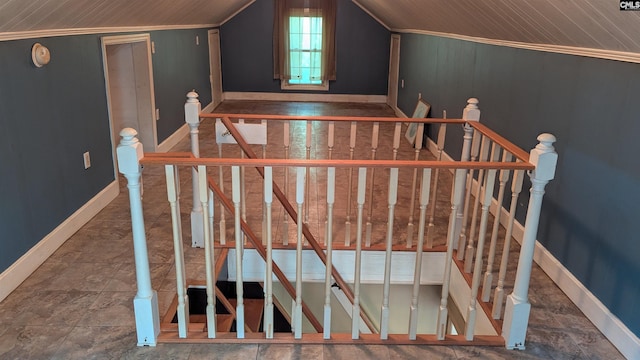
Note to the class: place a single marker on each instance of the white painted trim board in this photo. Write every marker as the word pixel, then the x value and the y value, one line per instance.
pixel 20 270
pixel 305 97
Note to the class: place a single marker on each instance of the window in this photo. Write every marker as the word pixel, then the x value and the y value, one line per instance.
pixel 304 44
pixel 305 50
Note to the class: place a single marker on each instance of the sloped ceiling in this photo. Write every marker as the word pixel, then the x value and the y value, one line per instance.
pixel 595 24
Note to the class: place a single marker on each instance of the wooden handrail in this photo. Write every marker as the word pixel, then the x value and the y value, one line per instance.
pixel 500 140
pixel 305 229
pixel 170 159
pixel 382 119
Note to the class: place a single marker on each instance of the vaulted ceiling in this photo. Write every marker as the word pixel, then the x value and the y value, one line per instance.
pixel 595 24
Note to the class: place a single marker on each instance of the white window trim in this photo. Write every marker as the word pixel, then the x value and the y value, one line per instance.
pixel 284 85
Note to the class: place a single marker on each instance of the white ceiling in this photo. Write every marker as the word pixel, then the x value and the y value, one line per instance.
pixel 596 24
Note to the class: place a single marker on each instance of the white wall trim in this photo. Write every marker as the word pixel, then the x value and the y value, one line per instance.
pixel 12 277
pixel 305 97
pixel 18 35
pixel 209 108
pixel 173 139
pixel 609 324
pixel 560 49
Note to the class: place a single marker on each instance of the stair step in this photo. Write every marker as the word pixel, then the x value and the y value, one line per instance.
pixel 224 322
pixel 253 309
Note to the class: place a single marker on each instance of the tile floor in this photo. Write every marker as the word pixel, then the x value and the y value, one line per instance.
pixel 78 304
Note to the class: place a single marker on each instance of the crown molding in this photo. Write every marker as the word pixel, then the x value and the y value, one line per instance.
pixel 560 49
pixel 31 34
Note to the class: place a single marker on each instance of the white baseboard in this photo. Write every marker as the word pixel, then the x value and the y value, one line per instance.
pixel 12 277
pixel 305 97
pixel 174 139
pixel 609 324
pixel 209 108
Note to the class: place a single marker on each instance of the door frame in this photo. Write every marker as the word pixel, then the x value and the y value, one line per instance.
pixel 394 74
pixel 215 67
pixel 115 136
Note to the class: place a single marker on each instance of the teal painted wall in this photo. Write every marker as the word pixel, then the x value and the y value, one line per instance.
pixel 590 211
pixel 49 116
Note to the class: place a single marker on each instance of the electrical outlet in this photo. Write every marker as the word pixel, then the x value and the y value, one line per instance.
pixel 87 160
pixel 157 114
pixel 402 83
pixel 419 95
pixel 197 40
pixel 153 47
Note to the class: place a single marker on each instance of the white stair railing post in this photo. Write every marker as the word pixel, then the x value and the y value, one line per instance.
pixel 192 110
pixel 145 303
pixel 517 309
pixel 469 151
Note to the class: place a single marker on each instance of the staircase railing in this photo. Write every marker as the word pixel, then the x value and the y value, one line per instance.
pixel 483 151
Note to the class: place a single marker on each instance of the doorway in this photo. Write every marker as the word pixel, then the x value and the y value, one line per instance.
pixel 128 76
pixel 394 69
pixel 215 76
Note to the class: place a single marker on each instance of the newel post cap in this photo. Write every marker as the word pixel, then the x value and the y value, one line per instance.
pixel 192 109
pixel 471 111
pixel 544 157
pixel 129 152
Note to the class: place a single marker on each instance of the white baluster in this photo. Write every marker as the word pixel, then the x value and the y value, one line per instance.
pixel 488 275
pixel 374 148
pixel 236 198
pixel 307 184
pixel 516 316
pixel 268 200
pixel 424 202
pixel 330 144
pixel 223 222
pixel 396 139
pixel 456 198
pixel 203 191
pixel 297 313
pixel 173 193
pixel 192 117
pixel 145 303
pixel 264 205
pixel 331 189
pixel 468 256
pixel 498 296
pixel 470 150
pixel 285 215
pixel 393 199
pixel 487 195
pixel 355 309
pixel 414 183
pixel 434 194
pixel 347 223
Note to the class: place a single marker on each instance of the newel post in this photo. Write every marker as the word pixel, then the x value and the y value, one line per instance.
pixel 517 309
pixel 192 110
pixel 145 303
pixel 470 113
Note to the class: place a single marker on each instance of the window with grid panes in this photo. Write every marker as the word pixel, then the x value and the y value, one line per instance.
pixel 305 50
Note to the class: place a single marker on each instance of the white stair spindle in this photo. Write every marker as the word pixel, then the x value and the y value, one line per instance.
pixel 297 318
pixel 192 110
pixel 434 194
pixel 145 303
pixel 517 309
pixel 307 183
pixel 236 198
pixel 285 215
pixel 488 275
pixel 243 193
pixel 374 148
pixel 393 198
pixel 264 205
pixel 498 296
pixel 468 256
pixel 268 309
pixel 331 190
pixel 347 223
pixel 396 139
pixel 203 190
pixel 330 144
pixel 223 222
pixel 456 199
pixel 425 186
pixel 414 183
pixel 486 197
pixel 173 193
pixel 355 310
pixel 470 149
